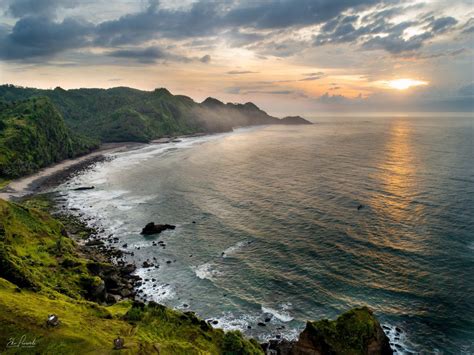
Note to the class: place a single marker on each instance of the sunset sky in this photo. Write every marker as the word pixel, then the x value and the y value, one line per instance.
pixel 298 56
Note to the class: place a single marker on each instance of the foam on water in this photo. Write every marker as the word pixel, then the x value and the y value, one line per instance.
pixel 234 248
pixel 230 321
pixel 399 340
pixel 154 290
pixel 206 271
pixel 282 315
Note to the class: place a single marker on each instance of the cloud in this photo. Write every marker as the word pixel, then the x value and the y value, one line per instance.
pixel 142 55
pixel 21 8
pixel 327 98
pixel 467 91
pixel 442 24
pixel 468 27
pixel 268 28
pixel 312 76
pixel 155 22
pixel 205 59
pixel 375 31
pixel 239 38
pixel 240 72
pixel 289 13
pixel 153 54
pixel 33 37
pixel 396 44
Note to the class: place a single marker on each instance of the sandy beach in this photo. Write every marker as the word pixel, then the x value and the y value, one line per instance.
pixel 50 175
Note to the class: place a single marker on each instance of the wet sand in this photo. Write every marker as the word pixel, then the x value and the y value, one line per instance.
pixel 54 174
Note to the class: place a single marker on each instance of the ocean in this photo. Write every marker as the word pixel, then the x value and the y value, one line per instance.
pixel 283 224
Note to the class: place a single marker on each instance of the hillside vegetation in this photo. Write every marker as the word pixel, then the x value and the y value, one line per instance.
pixel 126 114
pixel 33 135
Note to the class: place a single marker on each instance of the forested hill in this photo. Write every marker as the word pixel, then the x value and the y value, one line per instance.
pixel 126 114
pixel 33 135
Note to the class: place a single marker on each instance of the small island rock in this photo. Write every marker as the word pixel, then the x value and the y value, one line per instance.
pixel 152 228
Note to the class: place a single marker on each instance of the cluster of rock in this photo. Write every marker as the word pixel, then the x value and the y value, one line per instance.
pixel 113 284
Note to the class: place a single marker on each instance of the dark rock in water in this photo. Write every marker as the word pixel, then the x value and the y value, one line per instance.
pixel 168 261
pixel 52 321
pixel 146 264
pixel 261 324
pixel 125 245
pixel 360 207
pixel 152 228
pixel 118 343
pixel 194 222
pixel 249 327
pixel 215 322
pixel 268 319
pixel 81 188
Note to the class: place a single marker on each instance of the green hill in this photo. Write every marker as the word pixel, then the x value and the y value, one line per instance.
pixel 126 114
pixel 33 135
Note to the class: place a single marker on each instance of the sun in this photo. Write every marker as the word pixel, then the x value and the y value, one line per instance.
pixel 403 84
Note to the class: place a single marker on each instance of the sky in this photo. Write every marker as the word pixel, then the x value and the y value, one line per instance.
pixel 287 56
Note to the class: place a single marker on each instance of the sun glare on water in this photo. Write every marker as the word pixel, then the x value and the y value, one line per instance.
pixel 403 84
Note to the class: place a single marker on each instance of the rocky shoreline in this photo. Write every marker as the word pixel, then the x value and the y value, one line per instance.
pixel 120 283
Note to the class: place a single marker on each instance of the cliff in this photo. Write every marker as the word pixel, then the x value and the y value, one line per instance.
pixel 33 135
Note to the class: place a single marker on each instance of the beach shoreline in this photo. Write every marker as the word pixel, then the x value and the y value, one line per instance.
pixel 54 174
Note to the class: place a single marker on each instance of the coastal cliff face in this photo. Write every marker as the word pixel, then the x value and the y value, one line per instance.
pixel 46 268
pixel 33 135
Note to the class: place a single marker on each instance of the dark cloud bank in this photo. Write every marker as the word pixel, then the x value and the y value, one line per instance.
pixel 37 34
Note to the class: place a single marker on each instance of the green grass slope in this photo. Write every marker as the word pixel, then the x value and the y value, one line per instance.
pixel 33 135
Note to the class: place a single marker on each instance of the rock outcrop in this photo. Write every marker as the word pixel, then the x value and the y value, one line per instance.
pixel 355 332
pixel 152 228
